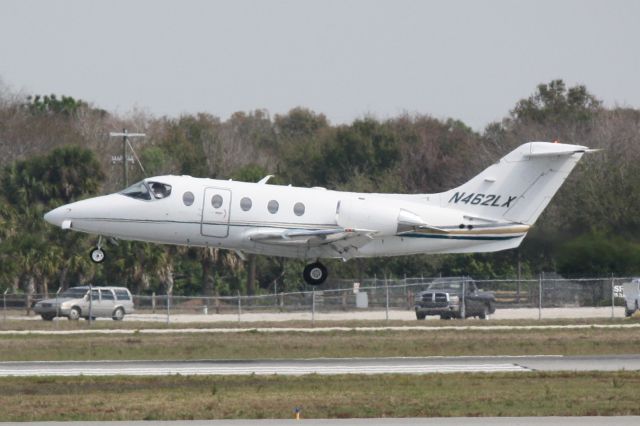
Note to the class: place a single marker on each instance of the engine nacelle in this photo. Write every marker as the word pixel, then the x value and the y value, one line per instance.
pixel 375 215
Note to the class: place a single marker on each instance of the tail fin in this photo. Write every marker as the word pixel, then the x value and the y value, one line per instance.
pixel 519 186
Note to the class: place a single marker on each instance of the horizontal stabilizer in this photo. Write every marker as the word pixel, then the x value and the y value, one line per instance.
pixel 553 149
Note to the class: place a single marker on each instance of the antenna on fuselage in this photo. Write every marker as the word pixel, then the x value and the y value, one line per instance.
pixel 125 141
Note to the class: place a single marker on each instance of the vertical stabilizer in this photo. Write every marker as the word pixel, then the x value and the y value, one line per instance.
pixel 519 186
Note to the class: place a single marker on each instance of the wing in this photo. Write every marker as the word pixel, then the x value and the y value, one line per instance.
pixel 338 240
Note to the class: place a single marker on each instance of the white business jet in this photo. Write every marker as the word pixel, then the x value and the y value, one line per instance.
pixel 491 212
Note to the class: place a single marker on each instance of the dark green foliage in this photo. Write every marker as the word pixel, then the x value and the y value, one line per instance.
pixel 553 102
pixel 597 254
pixel 50 104
pixel 591 226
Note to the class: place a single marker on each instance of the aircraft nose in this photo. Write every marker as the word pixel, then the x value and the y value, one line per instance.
pixel 57 216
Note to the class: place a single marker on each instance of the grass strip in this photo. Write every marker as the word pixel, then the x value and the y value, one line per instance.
pixel 334 344
pixel 348 396
pixel 63 324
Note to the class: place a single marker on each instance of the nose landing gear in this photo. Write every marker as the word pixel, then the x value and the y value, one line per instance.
pixel 315 273
pixel 97 254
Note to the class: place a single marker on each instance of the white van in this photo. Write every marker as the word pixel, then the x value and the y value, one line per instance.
pixel 631 296
pixel 75 303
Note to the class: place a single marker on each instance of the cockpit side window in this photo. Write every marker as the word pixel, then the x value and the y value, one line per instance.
pixel 160 190
pixel 137 190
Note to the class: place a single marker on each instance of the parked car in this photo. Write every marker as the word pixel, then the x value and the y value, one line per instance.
pixel 631 292
pixel 444 297
pixel 75 303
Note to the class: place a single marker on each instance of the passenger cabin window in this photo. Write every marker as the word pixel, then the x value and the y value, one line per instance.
pixel 122 295
pixel 107 295
pixel 216 201
pixel 160 190
pixel 188 198
pixel 273 206
pixel 95 294
pixel 137 190
pixel 245 204
pixel 298 209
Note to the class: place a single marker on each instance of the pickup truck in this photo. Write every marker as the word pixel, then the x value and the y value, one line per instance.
pixel 444 297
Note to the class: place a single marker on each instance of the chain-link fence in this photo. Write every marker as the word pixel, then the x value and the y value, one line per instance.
pixel 371 295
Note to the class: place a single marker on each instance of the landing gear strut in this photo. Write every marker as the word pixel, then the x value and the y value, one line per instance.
pixel 97 254
pixel 315 273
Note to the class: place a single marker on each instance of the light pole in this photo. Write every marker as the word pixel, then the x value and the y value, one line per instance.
pixel 125 141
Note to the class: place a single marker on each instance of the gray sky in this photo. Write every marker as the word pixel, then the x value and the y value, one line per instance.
pixel 470 60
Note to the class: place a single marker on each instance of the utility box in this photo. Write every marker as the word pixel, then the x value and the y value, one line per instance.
pixel 362 300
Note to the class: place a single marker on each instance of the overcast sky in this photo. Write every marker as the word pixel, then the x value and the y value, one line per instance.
pixel 470 60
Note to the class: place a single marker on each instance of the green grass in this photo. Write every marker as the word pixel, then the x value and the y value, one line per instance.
pixel 335 344
pixel 64 324
pixel 436 395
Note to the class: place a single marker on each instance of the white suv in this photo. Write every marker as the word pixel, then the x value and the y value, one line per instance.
pixel 75 303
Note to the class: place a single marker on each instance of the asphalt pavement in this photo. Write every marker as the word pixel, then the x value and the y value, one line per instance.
pixel 325 366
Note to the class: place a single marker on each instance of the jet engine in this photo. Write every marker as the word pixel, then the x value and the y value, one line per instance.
pixel 375 215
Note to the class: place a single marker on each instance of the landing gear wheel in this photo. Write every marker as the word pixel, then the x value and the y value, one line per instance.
pixel 97 255
pixel 315 273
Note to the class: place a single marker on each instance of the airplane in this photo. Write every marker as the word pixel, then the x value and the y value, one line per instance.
pixel 493 211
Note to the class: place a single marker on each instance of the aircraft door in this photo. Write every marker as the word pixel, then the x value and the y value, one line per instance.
pixel 216 211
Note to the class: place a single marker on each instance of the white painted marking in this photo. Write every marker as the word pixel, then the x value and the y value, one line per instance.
pixel 284 370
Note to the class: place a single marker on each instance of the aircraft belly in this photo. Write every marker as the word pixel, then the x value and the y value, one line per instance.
pixel 142 230
pixel 397 246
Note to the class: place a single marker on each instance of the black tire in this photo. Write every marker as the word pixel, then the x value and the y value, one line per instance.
pixel 118 314
pixel 47 317
pixel 420 316
pixel 315 273
pixel 485 312
pixel 74 314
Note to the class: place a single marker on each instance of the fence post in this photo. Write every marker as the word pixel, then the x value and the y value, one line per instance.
pixel 4 303
pixel 613 302
pixel 239 306
pixel 405 286
pixel 153 302
pixel 386 288
pixel 90 304
pixel 313 307
pixel 540 296
pixel 168 307
pixel 463 308
pixel 58 306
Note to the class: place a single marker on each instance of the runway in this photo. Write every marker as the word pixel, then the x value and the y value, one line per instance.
pixel 426 365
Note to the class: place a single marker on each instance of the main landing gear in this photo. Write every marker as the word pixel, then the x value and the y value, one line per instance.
pixel 97 254
pixel 315 273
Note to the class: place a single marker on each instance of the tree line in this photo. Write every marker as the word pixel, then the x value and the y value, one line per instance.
pixel 54 150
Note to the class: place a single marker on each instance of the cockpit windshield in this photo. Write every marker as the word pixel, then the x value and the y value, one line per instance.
pixel 160 190
pixel 146 190
pixel 137 190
